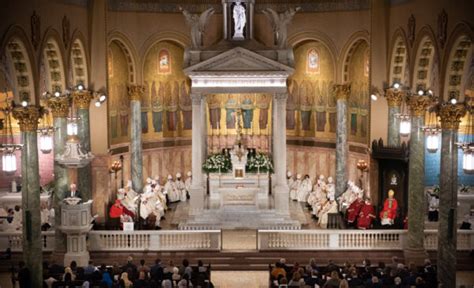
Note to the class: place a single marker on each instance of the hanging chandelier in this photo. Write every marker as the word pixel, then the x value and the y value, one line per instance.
pixel 8 148
pixel 468 145
pixel 432 131
pixel 74 155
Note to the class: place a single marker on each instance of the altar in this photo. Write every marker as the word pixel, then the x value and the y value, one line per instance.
pixel 239 196
pixel 225 189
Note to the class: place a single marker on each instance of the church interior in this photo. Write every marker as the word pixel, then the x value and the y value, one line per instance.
pixel 303 143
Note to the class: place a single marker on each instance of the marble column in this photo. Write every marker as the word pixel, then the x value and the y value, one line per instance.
pixel 59 107
pixel 197 192
pixel 450 116
pixel 342 92
pixel 82 101
pixel 30 192
pixel 394 101
pixel 415 251
pixel 279 153
pixel 136 156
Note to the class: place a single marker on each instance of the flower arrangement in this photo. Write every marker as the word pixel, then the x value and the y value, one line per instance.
pixel 261 163
pixel 217 163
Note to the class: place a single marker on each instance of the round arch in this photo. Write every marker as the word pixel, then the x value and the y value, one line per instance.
pixel 21 60
pixel 345 56
pixel 78 72
pixel 318 36
pixel 174 37
pixel 51 63
pixel 425 67
pixel 130 53
pixel 399 59
pixel 457 62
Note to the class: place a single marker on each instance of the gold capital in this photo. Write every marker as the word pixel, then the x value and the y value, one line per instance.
pixel 341 91
pixel 419 104
pixel 394 97
pixel 136 92
pixel 450 115
pixel 59 106
pixel 82 99
pixel 28 117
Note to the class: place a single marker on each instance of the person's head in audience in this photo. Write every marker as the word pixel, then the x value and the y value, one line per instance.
pixel 397 281
pixel 296 277
pixel 142 262
pixel 366 262
pixel 375 279
pixel 395 259
pixel 158 261
pixel 200 263
pixel 283 261
pixel 334 275
pixel 344 284
pixel 103 268
pixel 73 265
pixel 185 263
pixel 382 265
pixel 167 284
pixel 129 259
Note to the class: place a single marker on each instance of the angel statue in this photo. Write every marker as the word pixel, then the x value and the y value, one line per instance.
pixel 280 23
pixel 197 23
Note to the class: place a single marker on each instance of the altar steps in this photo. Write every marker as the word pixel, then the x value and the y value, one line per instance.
pixel 239 217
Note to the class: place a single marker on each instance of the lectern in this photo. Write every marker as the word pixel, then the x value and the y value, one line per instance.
pixel 76 223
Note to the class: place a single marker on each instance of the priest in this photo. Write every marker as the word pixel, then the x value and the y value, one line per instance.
pixel 389 212
pixel 366 215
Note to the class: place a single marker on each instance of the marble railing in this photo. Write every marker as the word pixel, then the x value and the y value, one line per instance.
pixel 174 240
pixel 351 240
pixel 14 241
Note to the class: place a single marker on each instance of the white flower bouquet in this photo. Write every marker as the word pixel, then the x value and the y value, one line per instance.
pixel 261 163
pixel 217 163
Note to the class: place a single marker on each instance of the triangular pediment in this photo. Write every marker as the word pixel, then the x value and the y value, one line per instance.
pixel 238 60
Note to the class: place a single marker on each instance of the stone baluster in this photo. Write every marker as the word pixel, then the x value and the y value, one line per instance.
pixel 28 118
pixel 394 101
pixel 342 92
pixel 416 179
pixel 279 152
pixel 135 92
pixel 197 192
pixel 59 107
pixel 82 100
pixel 450 116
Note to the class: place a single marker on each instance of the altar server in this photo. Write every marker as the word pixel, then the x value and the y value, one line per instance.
pixel 188 183
pixel 329 208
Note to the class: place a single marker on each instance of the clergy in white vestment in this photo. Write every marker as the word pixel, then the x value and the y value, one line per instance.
pixel 171 190
pixel 148 206
pixel 329 207
pixel 304 189
pixel 147 187
pixel 331 189
pixel 181 187
pixel 290 181
pixel 158 190
pixel 130 198
pixel 188 183
pixel 347 197
pixel 294 188
pixel 318 191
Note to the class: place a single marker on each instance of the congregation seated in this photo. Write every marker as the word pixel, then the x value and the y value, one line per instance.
pixel 127 275
pixel 350 275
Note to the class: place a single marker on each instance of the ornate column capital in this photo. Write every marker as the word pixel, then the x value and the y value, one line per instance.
pixel 281 96
pixel 28 117
pixel 450 115
pixel 394 97
pixel 82 99
pixel 59 106
pixel 196 98
pixel 341 91
pixel 135 92
pixel 419 104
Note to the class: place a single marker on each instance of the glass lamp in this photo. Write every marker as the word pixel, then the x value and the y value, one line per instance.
pixel 9 162
pixel 468 161
pixel 405 127
pixel 46 143
pixel 432 143
pixel 72 127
